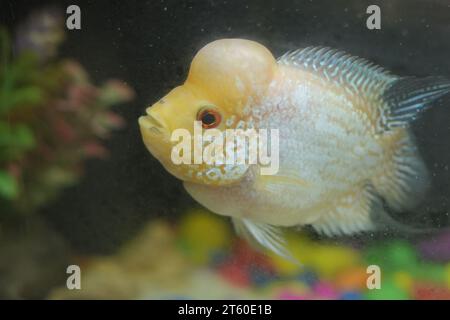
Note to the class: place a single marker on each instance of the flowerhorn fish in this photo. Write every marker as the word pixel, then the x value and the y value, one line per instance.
pixel 344 151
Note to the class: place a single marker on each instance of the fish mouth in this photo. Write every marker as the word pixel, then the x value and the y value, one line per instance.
pixel 151 123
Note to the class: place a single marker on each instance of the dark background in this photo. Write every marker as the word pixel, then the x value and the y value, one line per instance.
pixel 150 44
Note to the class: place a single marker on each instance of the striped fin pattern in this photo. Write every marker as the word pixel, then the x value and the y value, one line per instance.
pixel 261 235
pixel 406 99
pixel 355 74
pixel 396 101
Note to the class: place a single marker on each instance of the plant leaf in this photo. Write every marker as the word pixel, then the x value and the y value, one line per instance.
pixel 9 188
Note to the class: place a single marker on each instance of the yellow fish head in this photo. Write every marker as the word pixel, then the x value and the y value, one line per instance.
pixel 225 78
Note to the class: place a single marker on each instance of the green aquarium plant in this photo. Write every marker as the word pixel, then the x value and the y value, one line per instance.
pixel 52 117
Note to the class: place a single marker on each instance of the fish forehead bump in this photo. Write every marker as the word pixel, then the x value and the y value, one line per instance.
pixel 236 55
pixel 235 68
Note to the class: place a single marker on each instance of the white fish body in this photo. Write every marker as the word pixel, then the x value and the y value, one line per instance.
pixel 337 162
pixel 346 152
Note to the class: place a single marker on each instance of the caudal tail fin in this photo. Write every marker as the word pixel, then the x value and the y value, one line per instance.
pixel 404 178
pixel 407 98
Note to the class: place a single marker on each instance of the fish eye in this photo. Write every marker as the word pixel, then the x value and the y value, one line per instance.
pixel 210 118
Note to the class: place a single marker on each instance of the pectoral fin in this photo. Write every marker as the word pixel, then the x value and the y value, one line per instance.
pixel 277 183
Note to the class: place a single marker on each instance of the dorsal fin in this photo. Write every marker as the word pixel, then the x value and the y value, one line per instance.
pixel 356 74
pixel 396 101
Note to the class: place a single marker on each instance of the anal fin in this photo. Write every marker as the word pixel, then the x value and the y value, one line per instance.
pixel 349 213
pixel 404 178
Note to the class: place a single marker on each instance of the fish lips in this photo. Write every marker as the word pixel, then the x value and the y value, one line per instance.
pixel 155 137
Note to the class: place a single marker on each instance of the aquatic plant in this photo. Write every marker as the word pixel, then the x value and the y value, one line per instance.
pixel 52 117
